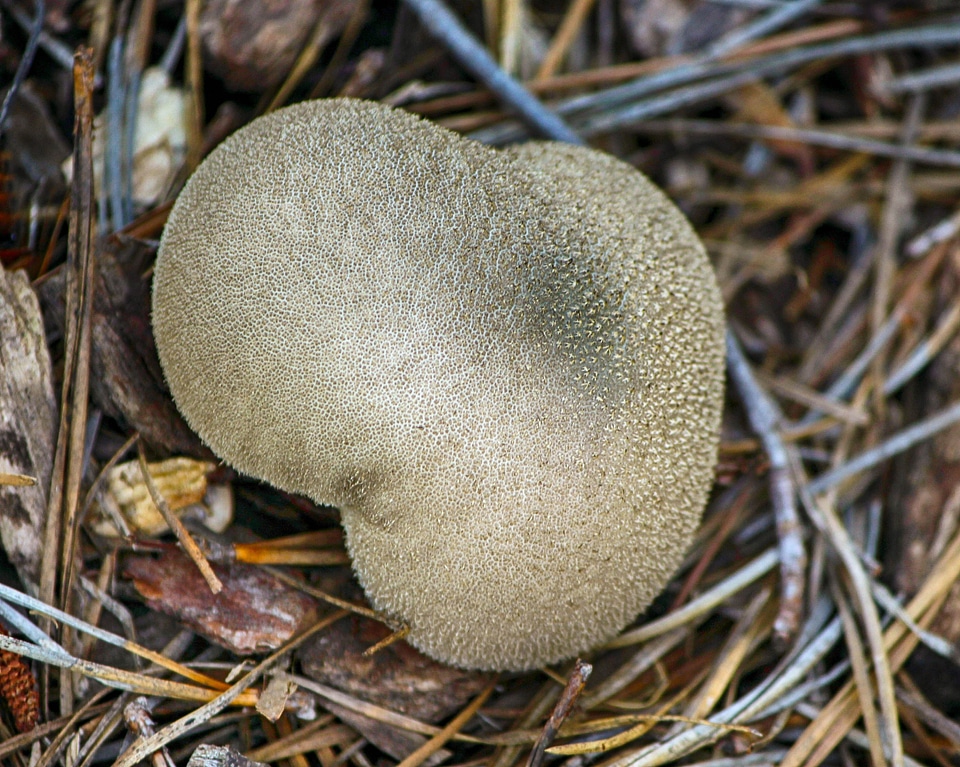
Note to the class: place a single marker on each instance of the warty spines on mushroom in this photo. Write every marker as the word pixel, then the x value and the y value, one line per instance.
pixel 504 367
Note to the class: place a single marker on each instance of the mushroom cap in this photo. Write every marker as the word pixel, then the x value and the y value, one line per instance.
pixel 504 367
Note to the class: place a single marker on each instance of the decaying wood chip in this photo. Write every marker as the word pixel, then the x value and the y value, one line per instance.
pixel 254 612
pixel 397 677
pixel 28 414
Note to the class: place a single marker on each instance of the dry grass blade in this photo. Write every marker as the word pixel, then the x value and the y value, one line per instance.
pixel 861 677
pixel 17 480
pixel 860 581
pixel 46 648
pixel 894 445
pixel 839 716
pixel 569 28
pixel 756 621
pixel 437 742
pixel 313 737
pixel 642 660
pixel 607 744
pixel 115 677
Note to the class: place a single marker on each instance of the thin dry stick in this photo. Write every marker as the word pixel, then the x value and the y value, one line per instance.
pixel 745 710
pixel 173 522
pixel 401 721
pixel 755 622
pixel 512 14
pixel 925 351
pixel 91 708
pixel 895 213
pixel 642 660
pixel 395 636
pixel 854 736
pixel 572 22
pixel 797 392
pixel 194 84
pixel 118 678
pixel 43 641
pixel 765 418
pixel 81 280
pixel 931 641
pixel 622 105
pixel 932 749
pixel 26 60
pixel 78 249
pixel 343 604
pixel 925 79
pixel 491 23
pixel 649 721
pixel 568 699
pixel 850 377
pixel 910 695
pixel 777 18
pixel 618 73
pixel 924 242
pixel 897 443
pixel 60 739
pixel 816 137
pixel 760 66
pixel 313 737
pixel 435 743
pixel 119 521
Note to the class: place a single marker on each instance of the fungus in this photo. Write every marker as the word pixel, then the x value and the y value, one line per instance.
pixel 504 367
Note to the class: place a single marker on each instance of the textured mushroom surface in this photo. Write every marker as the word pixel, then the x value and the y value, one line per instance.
pixel 504 367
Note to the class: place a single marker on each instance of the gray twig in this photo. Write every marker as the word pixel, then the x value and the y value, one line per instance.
pixel 764 418
pixel 825 138
pixel 902 440
pixel 624 104
pixel 780 16
pixel 26 61
pixel 446 27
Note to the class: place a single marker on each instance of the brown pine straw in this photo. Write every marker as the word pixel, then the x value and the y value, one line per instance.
pixel 841 713
pixel 834 335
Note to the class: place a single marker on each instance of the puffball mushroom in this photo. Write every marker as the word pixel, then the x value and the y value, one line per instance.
pixel 504 367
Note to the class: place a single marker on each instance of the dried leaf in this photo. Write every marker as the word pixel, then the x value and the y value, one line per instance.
pixel 181 481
